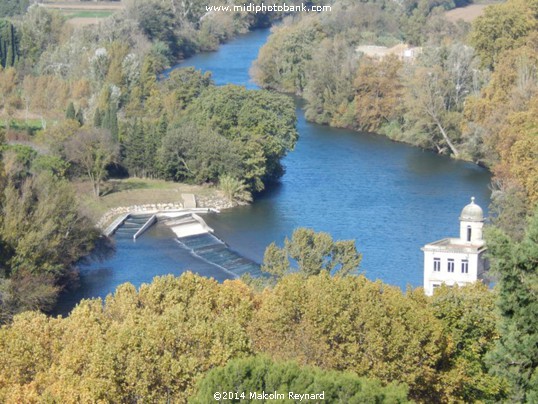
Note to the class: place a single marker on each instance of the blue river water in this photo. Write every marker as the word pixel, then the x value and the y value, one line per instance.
pixel 389 197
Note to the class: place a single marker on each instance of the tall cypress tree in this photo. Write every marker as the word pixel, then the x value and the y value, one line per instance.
pixel 97 118
pixel 516 355
pixel 70 112
pixel 9 48
pixel 135 149
pixel 79 116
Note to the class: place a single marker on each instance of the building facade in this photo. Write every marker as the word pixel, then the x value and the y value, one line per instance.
pixel 457 261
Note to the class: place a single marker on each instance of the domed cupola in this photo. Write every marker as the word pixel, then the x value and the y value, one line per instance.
pixel 472 212
pixel 471 222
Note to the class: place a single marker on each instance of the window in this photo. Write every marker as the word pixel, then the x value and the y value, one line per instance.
pixel 468 233
pixel 450 265
pixel 436 264
pixel 464 266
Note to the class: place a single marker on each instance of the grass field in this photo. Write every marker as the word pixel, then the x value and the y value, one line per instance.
pixel 20 124
pixel 84 13
pixel 134 191
pixel 468 13
pixel 87 13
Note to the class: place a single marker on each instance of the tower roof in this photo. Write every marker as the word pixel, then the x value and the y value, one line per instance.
pixel 472 213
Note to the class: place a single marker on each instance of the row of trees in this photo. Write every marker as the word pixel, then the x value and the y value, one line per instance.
pixel 157 343
pixel 187 337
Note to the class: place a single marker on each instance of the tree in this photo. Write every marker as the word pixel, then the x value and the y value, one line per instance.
pixel 9 44
pixel 314 253
pixel 502 27
pixel 515 356
pixel 260 124
pixel 150 345
pixel 258 373
pixel 196 154
pixel 134 147
pixel 92 150
pixel 378 92
pixel 469 318
pixel 329 82
pixel 282 62
pixel 80 116
pixel 428 100
pixel 352 324
pixel 70 112
pixel 43 227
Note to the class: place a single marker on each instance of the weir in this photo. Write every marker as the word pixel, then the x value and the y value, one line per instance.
pixel 193 234
pixel 146 226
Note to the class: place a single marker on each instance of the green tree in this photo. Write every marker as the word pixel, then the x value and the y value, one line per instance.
pixel 261 125
pixel 196 154
pixel 469 318
pixel 134 149
pixel 257 374
pixel 13 7
pixel 9 44
pixel 515 357
pixel 282 62
pixel 502 27
pixel 79 116
pixel 314 253
pixel 70 112
pixel 43 226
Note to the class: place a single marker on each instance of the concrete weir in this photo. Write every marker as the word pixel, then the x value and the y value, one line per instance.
pixel 192 233
pixel 146 226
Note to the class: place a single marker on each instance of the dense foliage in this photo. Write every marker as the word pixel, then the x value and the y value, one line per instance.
pixel 110 108
pixel 157 343
pixel 516 353
pixel 42 232
pixel 13 7
pixel 259 374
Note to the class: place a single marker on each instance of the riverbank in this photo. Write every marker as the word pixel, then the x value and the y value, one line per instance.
pixel 138 194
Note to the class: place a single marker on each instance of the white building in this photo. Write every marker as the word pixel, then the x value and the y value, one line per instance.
pixel 457 260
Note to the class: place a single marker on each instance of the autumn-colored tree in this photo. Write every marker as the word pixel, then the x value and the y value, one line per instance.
pixel 350 323
pixel 469 318
pixel 150 345
pixel 378 92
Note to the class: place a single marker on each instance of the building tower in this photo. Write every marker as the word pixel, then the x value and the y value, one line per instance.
pixel 457 260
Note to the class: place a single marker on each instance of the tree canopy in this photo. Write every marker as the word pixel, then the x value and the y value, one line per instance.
pixel 258 373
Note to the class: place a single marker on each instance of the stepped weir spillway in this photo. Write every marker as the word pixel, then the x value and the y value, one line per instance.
pixel 192 234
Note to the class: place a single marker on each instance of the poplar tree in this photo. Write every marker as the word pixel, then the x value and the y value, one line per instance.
pixel 70 112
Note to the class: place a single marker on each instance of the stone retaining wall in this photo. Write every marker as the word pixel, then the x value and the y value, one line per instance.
pixel 214 202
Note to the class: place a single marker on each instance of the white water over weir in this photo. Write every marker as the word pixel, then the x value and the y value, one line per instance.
pixel 192 233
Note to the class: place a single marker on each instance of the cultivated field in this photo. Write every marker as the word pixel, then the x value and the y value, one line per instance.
pixel 84 13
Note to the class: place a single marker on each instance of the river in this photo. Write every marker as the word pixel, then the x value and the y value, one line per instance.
pixel 389 197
